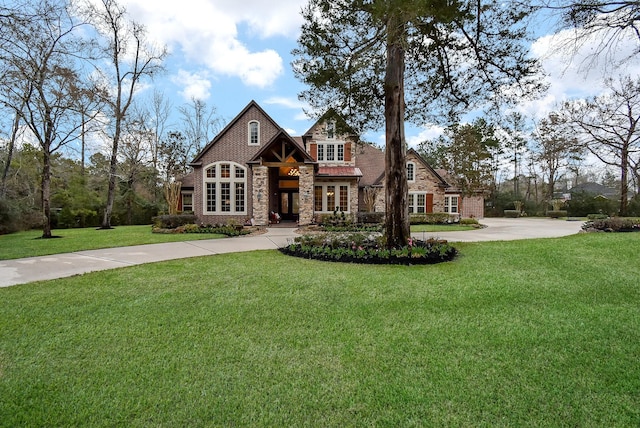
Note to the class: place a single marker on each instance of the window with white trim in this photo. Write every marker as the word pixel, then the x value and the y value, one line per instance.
pixel 417 202
pixel 451 204
pixel 330 152
pixel 411 171
pixel 225 185
pixel 254 133
pixel 187 201
pixel 331 196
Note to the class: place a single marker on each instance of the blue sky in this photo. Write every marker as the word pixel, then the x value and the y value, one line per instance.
pixel 229 52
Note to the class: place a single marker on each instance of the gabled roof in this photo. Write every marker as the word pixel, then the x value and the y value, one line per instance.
pixel 230 125
pixel 370 160
pixel 342 127
pixel 187 180
pixel 594 188
pixel 443 182
pixel 283 135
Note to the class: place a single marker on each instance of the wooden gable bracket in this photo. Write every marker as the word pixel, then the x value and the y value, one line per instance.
pixel 283 155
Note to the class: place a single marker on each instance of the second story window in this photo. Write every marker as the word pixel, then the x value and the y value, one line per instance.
pixel 331 130
pixel 411 171
pixel 331 152
pixel 254 133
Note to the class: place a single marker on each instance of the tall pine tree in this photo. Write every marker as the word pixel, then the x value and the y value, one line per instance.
pixel 458 54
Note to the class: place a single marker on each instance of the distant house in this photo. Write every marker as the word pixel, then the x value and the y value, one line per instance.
pixel 253 169
pixel 596 190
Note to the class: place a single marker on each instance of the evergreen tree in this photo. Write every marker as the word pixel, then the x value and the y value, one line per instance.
pixel 459 55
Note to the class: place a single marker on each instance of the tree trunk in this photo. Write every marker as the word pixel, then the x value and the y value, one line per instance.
pixel 397 207
pixel 113 170
pixel 12 144
pixel 624 180
pixel 46 192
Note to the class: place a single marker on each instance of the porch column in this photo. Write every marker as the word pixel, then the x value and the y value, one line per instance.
pixel 306 194
pixel 261 195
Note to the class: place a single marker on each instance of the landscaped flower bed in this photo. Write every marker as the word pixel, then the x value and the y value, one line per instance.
pixel 613 224
pixel 221 229
pixel 369 249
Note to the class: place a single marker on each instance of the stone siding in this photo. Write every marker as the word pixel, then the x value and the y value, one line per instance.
pixel 426 182
pixel 306 180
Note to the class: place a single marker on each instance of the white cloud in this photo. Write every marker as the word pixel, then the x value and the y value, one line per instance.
pixel 205 32
pixel 287 102
pixel 427 133
pixel 573 71
pixel 196 85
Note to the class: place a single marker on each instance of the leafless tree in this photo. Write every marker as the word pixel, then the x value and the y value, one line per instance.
pixel 555 149
pixel 608 126
pixel 199 123
pixel 131 60
pixel 603 26
pixel 40 51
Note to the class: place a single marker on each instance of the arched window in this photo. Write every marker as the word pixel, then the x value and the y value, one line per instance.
pixel 225 188
pixel 411 171
pixel 254 133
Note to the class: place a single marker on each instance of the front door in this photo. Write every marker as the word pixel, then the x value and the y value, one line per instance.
pixel 289 205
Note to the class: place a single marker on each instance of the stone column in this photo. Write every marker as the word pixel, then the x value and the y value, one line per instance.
pixel 306 194
pixel 261 195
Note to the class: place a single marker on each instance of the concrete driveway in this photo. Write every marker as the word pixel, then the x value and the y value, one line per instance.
pixel 509 229
pixel 21 271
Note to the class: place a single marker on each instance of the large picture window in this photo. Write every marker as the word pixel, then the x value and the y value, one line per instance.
pixel 331 196
pixel 225 184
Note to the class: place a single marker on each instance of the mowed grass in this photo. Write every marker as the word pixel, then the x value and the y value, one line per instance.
pixel 525 333
pixel 30 244
pixel 440 227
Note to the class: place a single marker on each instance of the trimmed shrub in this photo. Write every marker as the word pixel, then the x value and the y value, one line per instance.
pixel 362 248
pixel 370 217
pixel 512 213
pixel 338 218
pixel 173 221
pixel 557 213
pixel 597 216
pixel 583 203
pixel 432 218
pixel 469 221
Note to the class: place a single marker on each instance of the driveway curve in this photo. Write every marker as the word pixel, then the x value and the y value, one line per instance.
pixel 22 271
pixel 510 229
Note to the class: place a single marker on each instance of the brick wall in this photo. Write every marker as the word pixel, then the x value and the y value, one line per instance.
pixel 472 206
pixel 233 146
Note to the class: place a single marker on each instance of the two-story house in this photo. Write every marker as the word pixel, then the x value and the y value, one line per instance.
pixel 253 169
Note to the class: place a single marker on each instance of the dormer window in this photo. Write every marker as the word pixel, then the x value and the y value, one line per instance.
pixel 331 130
pixel 254 133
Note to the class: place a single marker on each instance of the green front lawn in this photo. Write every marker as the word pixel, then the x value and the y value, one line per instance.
pixel 29 244
pixel 440 227
pixel 523 333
